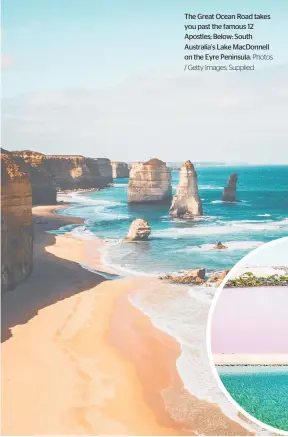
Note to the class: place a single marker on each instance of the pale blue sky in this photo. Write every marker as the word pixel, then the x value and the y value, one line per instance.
pixel 271 254
pixel 107 74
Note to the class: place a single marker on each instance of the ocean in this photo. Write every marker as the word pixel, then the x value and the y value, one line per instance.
pixel 176 245
pixel 261 392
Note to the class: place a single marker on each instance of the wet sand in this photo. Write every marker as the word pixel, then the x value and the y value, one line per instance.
pixel 79 359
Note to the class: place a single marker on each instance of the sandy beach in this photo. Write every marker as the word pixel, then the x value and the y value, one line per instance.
pixel 251 359
pixel 79 359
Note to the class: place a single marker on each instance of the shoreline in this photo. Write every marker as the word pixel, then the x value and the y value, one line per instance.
pixel 91 352
pixel 250 359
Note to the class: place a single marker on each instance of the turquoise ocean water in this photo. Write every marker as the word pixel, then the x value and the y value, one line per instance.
pixel 260 216
pixel 262 393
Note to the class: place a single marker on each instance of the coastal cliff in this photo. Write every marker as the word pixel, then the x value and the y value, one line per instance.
pixel 74 172
pixel 105 169
pixel 187 202
pixel 120 170
pixel 49 173
pixel 16 221
pixel 43 186
pixel 150 182
pixel 229 193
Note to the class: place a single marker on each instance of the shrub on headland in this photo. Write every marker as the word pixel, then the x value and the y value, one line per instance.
pixel 248 279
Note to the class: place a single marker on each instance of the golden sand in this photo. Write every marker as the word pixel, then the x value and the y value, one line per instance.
pixel 79 359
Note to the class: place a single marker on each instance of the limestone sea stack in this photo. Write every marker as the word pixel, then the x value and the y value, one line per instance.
pixel 150 182
pixel 187 202
pixel 138 231
pixel 229 193
pixel 16 220
pixel 120 170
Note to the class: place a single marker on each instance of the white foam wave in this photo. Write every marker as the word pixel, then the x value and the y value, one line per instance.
pixel 232 245
pixel 241 202
pixel 121 269
pixel 120 185
pixel 184 317
pixel 78 197
pixel 82 233
pixel 229 228
pixel 209 187
pixel 263 215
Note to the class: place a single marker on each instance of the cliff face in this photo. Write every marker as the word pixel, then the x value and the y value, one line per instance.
pixel 186 201
pixel 105 169
pixel 49 173
pixel 150 183
pixel 16 220
pixel 43 186
pixel 120 170
pixel 229 193
pixel 73 172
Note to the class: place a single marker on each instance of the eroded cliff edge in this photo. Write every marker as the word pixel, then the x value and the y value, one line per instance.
pixel 16 221
pixel 120 170
pixel 51 173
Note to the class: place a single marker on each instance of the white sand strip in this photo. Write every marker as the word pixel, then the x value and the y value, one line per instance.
pixel 251 359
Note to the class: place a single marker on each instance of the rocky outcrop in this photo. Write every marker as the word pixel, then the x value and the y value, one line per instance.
pixel 219 246
pixel 217 278
pixel 186 202
pixel 196 277
pixel 120 170
pixel 150 182
pixel 16 221
pixel 138 231
pixel 229 193
pixel 43 186
pixel 105 169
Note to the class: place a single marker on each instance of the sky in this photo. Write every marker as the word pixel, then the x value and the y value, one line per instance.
pixel 271 254
pixel 105 78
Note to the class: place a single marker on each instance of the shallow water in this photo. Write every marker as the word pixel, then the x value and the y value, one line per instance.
pixel 262 393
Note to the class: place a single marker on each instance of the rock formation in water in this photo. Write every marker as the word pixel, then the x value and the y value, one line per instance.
pixel 196 277
pixel 187 202
pixel 120 170
pixel 16 221
pixel 138 231
pixel 229 193
pixel 219 245
pixel 150 182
